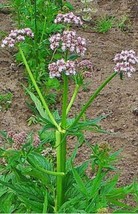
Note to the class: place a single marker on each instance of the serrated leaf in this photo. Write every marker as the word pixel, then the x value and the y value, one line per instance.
pixel 24 189
pixel 109 185
pixel 79 182
pixel 39 106
pixel 39 161
pixel 47 136
pixel 35 206
pixel 6 203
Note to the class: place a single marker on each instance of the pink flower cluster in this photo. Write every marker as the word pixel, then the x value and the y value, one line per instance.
pixel 68 41
pixel 70 68
pixel 68 18
pixel 16 36
pixel 85 64
pixel 125 61
pixel 20 139
pixel 86 67
pixel 36 141
pixel 60 66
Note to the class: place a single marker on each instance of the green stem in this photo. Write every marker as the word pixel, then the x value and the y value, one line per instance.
pixel 63 121
pixel 38 90
pixel 35 19
pixel 65 99
pixel 59 173
pixel 73 98
pixel 59 187
pixel 61 148
pixel 92 98
pixel 35 40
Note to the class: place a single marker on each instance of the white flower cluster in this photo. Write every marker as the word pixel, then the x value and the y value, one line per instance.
pixel 68 18
pixel 125 61
pixel 60 66
pixel 68 41
pixel 16 36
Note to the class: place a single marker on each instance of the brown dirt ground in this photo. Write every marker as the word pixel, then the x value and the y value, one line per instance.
pixel 119 98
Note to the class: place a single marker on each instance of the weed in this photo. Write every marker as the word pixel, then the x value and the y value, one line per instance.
pixel 104 24
pixel 5 101
pixel 123 23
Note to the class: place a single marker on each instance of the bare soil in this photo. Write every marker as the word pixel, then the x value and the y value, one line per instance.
pixel 119 99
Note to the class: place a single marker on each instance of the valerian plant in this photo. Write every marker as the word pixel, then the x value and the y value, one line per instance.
pixel 36 183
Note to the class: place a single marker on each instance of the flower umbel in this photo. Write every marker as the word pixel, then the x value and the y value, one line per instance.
pixel 68 18
pixel 68 40
pixel 125 61
pixel 19 140
pixel 60 66
pixel 86 67
pixel 16 36
pixel 36 140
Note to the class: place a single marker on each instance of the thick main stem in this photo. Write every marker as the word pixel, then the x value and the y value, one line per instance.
pixel 92 98
pixel 59 187
pixel 61 149
pixel 38 90
pixel 63 121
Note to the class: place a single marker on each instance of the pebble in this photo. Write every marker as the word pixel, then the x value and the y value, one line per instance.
pixel 135 111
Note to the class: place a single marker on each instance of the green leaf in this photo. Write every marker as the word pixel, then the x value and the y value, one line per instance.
pixel 79 182
pixel 25 189
pixel 35 206
pixel 57 56
pixel 72 158
pixel 2 6
pixel 34 173
pixel 47 136
pixel 3 190
pixel 109 185
pixel 121 192
pixel 39 106
pixel 119 204
pixel 69 5
pixel 40 161
pixel 73 56
pixel 6 203
pixel 53 28
pixel 87 125
pixel 134 210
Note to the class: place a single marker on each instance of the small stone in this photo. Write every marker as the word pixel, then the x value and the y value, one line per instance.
pixel 135 111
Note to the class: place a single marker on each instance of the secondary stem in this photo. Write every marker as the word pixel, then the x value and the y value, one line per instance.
pixel 91 99
pixel 65 99
pixel 38 90
pixel 72 99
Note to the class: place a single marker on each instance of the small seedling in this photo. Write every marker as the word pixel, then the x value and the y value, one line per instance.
pixel 104 24
pixel 5 101
pixel 123 23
